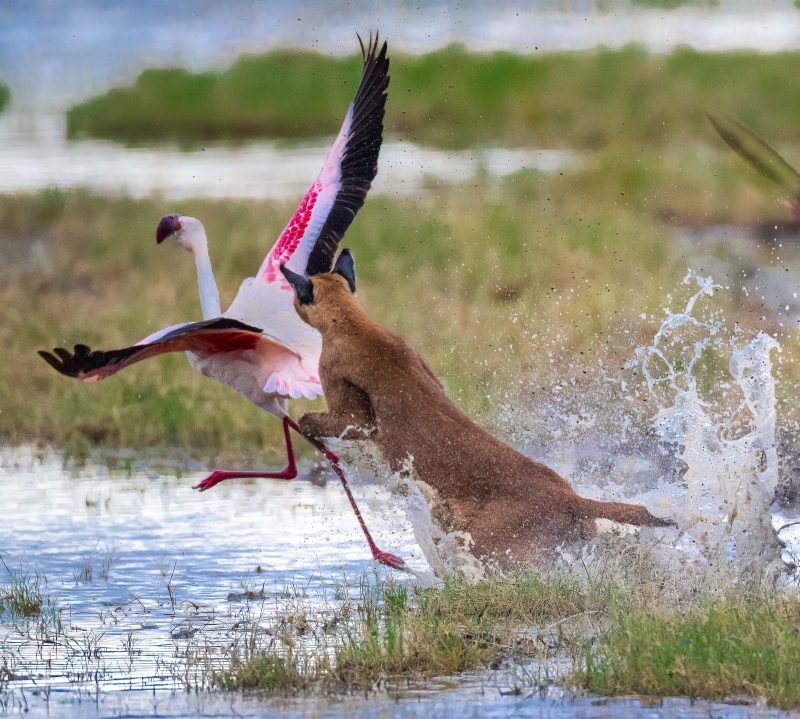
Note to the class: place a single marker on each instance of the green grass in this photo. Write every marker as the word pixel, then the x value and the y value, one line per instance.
pixel 625 627
pixel 736 646
pixel 268 673
pixel 21 595
pixel 5 96
pixel 450 273
pixel 391 632
pixel 454 98
pixel 448 630
pixel 487 280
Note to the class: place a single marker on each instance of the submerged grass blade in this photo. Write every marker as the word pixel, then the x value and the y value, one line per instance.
pixel 23 596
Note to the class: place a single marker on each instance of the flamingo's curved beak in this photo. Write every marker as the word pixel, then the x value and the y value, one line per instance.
pixel 167 227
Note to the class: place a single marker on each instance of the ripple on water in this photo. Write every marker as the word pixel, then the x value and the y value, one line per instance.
pixel 35 155
pixel 178 566
pixel 146 568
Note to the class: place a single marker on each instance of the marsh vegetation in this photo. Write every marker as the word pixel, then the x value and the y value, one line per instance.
pixel 615 630
pixel 517 289
pixel 744 643
pixel 477 277
pixel 455 98
pixel 22 592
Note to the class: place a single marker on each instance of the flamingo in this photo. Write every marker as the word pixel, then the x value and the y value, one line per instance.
pixel 762 157
pixel 259 346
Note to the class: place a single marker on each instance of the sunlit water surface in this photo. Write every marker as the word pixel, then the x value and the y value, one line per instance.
pixel 148 569
pixel 35 155
pixel 151 574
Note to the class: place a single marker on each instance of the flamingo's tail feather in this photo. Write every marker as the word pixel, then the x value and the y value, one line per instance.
pixel 293 387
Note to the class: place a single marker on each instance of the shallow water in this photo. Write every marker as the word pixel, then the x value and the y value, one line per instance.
pixel 482 701
pixel 166 565
pixel 35 155
pixel 109 544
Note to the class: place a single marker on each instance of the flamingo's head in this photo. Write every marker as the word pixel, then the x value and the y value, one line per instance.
pixel 321 299
pixel 188 231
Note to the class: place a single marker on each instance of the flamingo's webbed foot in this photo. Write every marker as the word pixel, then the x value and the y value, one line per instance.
pixel 212 480
pixel 220 475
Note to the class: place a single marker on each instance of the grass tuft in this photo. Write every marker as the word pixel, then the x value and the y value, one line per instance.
pixel 268 673
pixel 624 626
pixel 736 646
pixel 22 595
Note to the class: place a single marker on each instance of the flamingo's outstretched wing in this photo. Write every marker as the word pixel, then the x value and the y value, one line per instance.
pixel 309 242
pixel 206 337
pixel 761 156
pixel 286 372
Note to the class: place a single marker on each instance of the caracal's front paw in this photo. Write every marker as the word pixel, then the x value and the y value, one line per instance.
pixel 312 425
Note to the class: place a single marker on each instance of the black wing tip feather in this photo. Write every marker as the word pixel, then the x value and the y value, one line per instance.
pixel 370 50
pixel 71 364
pixel 54 362
pixel 360 161
pixel 83 359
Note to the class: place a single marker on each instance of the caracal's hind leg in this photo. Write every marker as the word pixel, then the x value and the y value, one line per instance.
pixel 290 472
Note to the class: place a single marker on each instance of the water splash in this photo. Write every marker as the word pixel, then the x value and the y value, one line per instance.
pixel 687 427
pixel 723 507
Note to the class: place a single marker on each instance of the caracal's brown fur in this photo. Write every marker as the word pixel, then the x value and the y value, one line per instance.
pixel 514 508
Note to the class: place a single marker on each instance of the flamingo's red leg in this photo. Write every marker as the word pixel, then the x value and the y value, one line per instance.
pixel 390 560
pixel 220 475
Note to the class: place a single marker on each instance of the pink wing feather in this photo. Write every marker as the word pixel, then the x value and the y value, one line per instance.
pixel 308 243
pixel 222 335
pixel 204 338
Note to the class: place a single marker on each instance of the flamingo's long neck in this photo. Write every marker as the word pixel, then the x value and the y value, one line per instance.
pixel 207 285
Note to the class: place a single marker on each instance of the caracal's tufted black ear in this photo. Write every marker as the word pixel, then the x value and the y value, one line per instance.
pixel 303 289
pixel 346 267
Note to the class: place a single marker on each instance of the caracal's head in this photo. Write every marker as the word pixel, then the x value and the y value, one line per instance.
pixel 321 300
